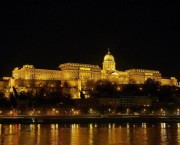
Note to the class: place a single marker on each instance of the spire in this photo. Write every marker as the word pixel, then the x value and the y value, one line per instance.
pixel 108 51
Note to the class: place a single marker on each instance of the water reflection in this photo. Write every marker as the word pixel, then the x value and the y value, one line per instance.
pixel 0 129
pixel 38 134
pixel 91 128
pixel 54 134
pixel 178 132
pixel 127 134
pixel 11 133
pixel 164 133
pixel 90 134
pixel 74 134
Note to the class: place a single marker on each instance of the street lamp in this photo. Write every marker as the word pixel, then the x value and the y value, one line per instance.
pixel 53 111
pixel 39 111
pixel 33 112
pixel 72 111
pixel 11 112
pixel 161 111
pixel 127 111
pixel 109 110
pixel 144 110
pixel 90 110
pixel 177 112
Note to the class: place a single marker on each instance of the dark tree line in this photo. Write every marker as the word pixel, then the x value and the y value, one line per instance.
pixel 60 94
pixel 107 89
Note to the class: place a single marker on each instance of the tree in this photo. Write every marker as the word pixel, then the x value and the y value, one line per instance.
pixel 89 87
pixel 4 103
pixel 151 87
pixel 104 89
pixel 130 89
pixel 66 90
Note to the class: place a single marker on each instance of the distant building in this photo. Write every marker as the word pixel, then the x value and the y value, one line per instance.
pixel 28 72
pixel 77 74
pixel 137 76
pixel 169 81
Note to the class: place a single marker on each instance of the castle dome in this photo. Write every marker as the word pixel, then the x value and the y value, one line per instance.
pixel 108 57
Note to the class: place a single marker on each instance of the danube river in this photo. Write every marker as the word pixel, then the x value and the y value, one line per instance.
pixel 90 134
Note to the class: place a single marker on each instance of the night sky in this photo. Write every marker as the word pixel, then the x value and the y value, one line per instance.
pixel 140 34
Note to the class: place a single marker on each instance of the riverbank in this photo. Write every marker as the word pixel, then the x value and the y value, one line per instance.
pixel 87 119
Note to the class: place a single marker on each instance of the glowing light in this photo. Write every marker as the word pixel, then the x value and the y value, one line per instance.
pixel 144 125
pixel 163 125
pixel 0 129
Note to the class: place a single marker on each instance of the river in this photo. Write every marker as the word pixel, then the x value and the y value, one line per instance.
pixel 90 134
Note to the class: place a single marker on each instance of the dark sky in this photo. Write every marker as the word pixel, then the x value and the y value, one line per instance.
pixel 139 34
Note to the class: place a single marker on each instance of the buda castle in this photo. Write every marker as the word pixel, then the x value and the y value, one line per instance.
pixel 77 74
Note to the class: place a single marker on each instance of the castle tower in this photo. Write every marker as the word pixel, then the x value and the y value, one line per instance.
pixel 109 64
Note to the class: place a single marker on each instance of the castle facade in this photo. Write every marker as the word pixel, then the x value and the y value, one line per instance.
pixel 77 74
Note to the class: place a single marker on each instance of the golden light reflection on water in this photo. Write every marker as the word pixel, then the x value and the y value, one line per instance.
pixel 127 133
pixel 90 134
pixel 112 138
pixel 10 129
pixel 75 134
pixel 54 134
pixel 178 132
pixel 38 134
pixel 10 139
pixel 32 132
pixel 0 129
pixel 163 133
pixel 144 126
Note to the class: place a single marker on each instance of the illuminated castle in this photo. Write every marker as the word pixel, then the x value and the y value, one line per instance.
pixel 77 74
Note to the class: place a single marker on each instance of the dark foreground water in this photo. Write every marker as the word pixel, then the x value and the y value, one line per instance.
pixel 90 134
